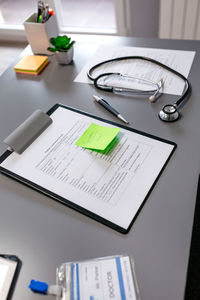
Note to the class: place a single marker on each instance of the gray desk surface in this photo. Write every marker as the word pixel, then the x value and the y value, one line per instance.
pixel 44 233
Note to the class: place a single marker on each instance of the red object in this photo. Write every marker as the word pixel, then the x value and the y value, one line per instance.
pixel 51 11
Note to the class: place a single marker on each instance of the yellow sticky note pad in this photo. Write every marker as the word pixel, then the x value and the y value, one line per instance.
pixel 31 64
pixel 97 137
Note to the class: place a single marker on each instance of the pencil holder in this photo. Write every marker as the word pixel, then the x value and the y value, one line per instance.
pixel 38 34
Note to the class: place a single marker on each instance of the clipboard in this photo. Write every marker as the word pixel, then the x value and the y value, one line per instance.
pixel 10 266
pixel 112 202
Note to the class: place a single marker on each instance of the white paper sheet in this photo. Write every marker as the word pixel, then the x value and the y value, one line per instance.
pixel 7 271
pixel 179 60
pixel 111 185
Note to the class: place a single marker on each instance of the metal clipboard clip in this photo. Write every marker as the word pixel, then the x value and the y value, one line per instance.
pixel 28 131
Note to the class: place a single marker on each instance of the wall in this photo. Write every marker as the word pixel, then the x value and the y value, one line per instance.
pixel 144 18
pixel 180 19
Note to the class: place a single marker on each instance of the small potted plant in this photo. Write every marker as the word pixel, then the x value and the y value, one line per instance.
pixel 63 49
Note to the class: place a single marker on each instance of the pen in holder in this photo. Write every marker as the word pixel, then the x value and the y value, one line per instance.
pixel 38 34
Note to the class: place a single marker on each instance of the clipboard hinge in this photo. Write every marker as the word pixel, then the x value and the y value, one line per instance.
pixel 28 131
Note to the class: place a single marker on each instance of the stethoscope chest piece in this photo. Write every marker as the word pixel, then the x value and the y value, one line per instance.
pixel 169 113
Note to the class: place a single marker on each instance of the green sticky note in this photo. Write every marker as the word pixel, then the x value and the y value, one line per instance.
pixel 97 137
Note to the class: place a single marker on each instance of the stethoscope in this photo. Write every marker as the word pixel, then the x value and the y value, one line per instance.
pixel 169 112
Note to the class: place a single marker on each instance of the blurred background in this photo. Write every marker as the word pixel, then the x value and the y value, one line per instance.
pixel 139 18
pixel 173 19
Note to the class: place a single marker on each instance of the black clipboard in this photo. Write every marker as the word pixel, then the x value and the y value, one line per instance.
pixel 69 203
pixel 192 290
pixel 13 264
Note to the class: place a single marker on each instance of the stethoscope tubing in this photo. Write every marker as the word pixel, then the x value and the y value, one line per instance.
pixel 187 90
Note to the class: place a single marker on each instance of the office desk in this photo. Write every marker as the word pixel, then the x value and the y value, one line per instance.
pixel 44 233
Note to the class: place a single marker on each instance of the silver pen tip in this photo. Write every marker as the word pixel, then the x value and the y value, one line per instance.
pixel 96 98
pixel 121 118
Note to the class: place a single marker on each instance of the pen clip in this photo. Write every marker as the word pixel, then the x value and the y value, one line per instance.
pixel 105 101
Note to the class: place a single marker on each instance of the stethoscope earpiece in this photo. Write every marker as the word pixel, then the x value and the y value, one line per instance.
pixel 169 113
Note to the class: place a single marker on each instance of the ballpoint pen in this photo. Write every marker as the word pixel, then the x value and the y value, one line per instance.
pixel 107 106
pixel 45 13
pixel 40 10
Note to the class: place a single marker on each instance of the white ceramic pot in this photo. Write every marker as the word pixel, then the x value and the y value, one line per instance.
pixel 64 58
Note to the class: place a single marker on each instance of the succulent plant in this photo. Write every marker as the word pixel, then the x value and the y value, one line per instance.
pixel 60 43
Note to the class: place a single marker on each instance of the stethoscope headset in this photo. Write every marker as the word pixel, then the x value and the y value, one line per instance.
pixel 169 112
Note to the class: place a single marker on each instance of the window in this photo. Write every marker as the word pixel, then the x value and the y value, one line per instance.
pixel 15 12
pixel 89 15
pixel 74 16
